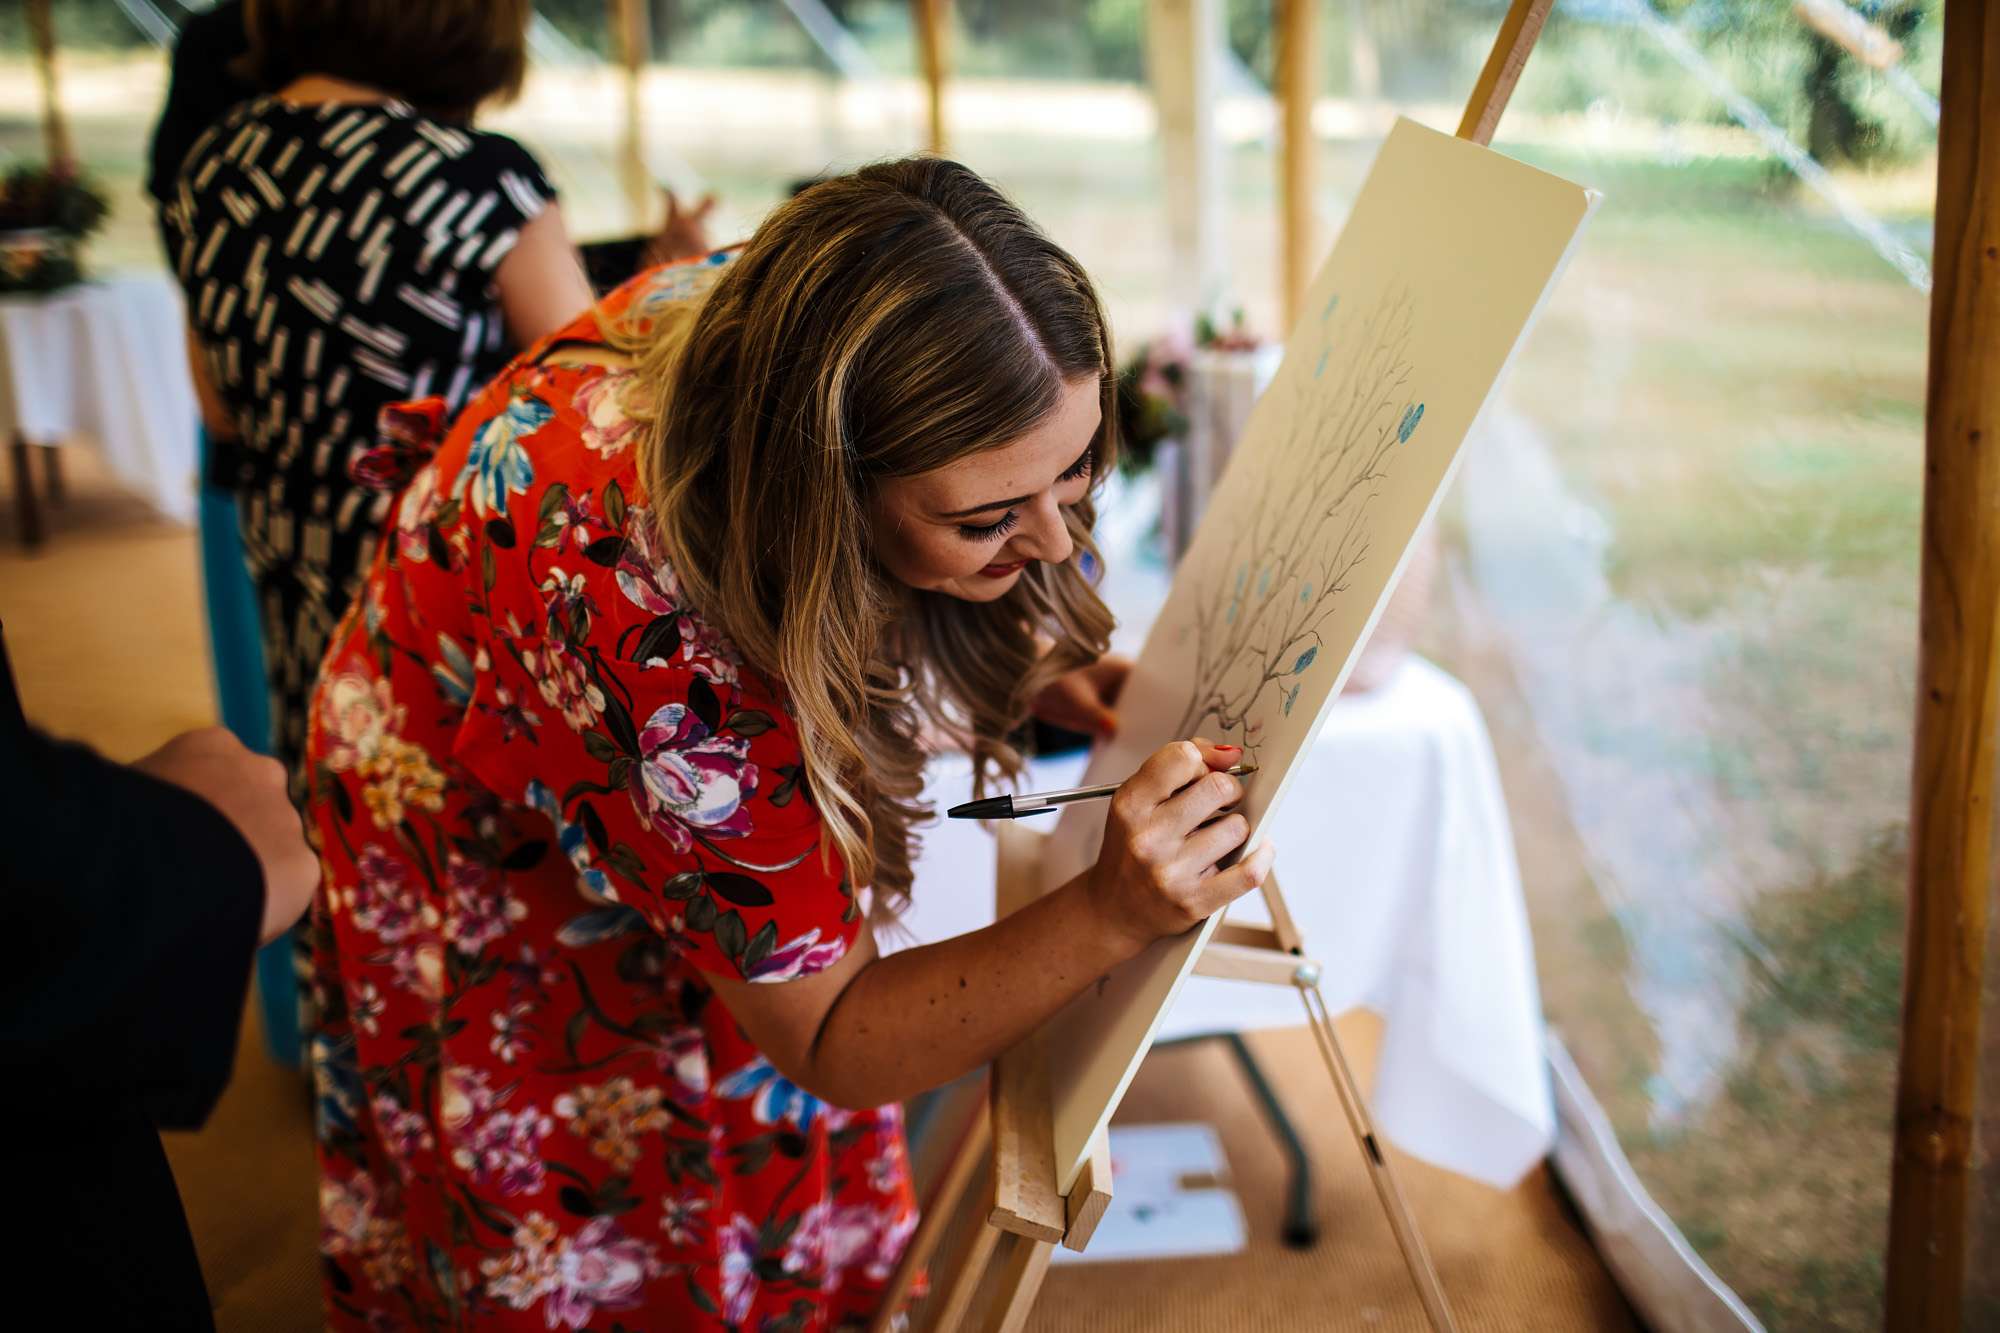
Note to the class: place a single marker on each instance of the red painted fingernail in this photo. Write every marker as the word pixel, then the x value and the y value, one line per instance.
pixel 1107 726
pixel 1227 749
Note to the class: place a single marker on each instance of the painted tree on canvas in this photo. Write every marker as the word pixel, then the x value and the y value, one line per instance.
pixel 1257 619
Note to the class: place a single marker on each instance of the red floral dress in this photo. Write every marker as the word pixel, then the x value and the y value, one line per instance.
pixel 550 799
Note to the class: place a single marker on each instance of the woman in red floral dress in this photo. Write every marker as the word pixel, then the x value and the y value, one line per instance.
pixel 632 702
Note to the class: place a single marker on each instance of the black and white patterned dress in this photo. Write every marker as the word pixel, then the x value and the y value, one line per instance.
pixel 336 258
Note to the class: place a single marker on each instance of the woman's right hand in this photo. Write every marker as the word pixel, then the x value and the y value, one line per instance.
pixel 1156 874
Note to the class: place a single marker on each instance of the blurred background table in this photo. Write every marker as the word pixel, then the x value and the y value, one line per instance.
pixel 104 362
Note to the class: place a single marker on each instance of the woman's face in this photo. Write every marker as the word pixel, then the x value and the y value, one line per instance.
pixel 969 528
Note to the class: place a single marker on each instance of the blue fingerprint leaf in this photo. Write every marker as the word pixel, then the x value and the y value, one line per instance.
pixel 1229 616
pixel 1291 697
pixel 1408 426
pixel 1306 593
pixel 1305 660
pixel 1332 304
pixel 1263 582
pixel 1320 369
pixel 1242 577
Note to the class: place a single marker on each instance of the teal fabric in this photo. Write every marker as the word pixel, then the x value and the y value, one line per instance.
pixel 236 645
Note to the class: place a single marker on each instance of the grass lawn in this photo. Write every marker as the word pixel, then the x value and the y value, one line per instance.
pixel 1734 386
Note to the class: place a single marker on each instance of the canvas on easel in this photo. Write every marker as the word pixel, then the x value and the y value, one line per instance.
pixel 1439 271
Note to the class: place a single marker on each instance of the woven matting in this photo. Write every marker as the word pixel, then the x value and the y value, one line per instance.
pixel 1510 1260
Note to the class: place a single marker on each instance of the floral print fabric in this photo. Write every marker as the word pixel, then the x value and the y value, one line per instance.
pixel 549 800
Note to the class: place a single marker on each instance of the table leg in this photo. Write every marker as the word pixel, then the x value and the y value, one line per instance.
pixel 24 494
pixel 53 457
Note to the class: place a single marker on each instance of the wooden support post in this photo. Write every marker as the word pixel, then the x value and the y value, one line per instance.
pixel 931 18
pixel 1021 1265
pixel 633 33
pixel 1951 814
pixel 1090 1197
pixel 967 1278
pixel 55 130
pixel 1237 962
pixel 1255 937
pixel 1184 46
pixel 1298 83
pixel 1518 32
pixel 1283 927
pixel 1025 1201
pixel 940 1208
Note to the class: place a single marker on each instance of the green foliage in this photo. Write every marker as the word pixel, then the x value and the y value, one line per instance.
pixel 1833 954
pixel 1425 49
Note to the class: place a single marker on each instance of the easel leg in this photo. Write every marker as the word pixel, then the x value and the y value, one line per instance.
pixel 1023 1264
pixel 939 1210
pixel 1422 1271
pixel 971 1271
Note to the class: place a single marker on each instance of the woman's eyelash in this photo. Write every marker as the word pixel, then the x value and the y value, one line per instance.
pixel 988 531
pixel 985 532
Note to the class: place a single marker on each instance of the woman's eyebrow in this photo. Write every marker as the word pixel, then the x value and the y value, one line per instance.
pixel 1002 504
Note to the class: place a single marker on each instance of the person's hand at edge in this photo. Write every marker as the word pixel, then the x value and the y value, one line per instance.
pixel 249 791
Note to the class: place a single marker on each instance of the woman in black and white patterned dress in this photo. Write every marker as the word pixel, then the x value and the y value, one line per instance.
pixel 342 249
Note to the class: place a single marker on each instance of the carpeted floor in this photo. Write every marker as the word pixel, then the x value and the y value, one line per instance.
pixel 105 631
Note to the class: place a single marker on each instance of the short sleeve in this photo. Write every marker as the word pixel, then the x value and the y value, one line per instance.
pixel 508 190
pixel 668 771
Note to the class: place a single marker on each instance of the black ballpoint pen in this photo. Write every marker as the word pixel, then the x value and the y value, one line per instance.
pixel 1041 802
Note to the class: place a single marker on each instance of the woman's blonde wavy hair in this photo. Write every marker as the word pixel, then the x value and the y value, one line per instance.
pixel 880 324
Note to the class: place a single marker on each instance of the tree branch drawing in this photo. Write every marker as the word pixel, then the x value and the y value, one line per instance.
pixel 1296 544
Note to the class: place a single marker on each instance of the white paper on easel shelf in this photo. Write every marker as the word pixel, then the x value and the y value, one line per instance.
pixel 1169 1199
pixel 1438 274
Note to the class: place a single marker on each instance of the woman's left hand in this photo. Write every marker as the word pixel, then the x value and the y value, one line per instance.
pixel 1083 699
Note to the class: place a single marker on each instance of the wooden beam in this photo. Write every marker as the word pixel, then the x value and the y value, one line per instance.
pixel 1298 83
pixel 1184 46
pixel 632 29
pixel 967 1277
pixel 1518 32
pixel 967 1159
pixel 1282 925
pixel 55 130
pixel 1254 937
pixel 931 18
pixel 1025 1201
pixel 1951 803
pixel 1237 962
pixel 1022 1264
pixel 1088 1199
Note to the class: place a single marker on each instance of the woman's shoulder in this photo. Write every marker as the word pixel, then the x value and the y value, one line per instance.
pixel 486 152
pixel 652 290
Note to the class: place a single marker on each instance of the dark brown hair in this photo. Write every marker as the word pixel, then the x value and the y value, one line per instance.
pixel 880 324
pixel 444 57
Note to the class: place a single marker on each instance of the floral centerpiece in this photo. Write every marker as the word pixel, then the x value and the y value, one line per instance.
pixel 45 214
pixel 1153 386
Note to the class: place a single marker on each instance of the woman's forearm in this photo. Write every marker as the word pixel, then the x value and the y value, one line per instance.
pixel 922 1017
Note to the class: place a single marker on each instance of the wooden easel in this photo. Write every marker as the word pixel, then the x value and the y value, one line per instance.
pixel 1008 1230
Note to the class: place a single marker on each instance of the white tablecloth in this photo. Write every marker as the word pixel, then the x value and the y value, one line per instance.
pixel 1396 859
pixel 106 360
